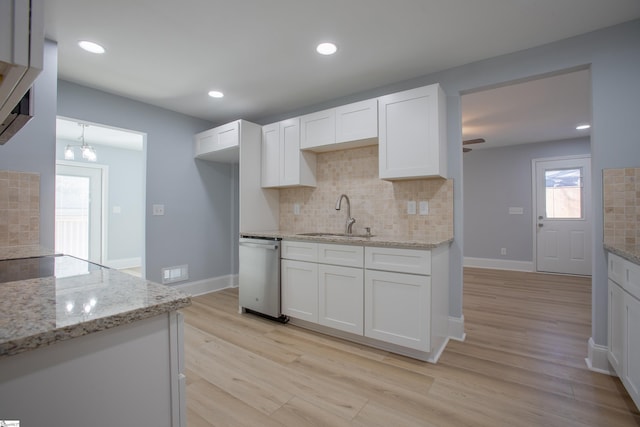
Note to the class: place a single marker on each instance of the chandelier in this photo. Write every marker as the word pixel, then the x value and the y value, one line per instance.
pixel 88 152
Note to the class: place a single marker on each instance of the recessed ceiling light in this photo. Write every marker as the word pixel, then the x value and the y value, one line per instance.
pixel 326 48
pixel 216 94
pixel 91 46
pixel 583 126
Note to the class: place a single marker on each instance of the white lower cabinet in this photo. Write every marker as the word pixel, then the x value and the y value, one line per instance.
pixel 340 298
pixel 616 325
pixel 300 289
pixel 397 308
pixel 624 323
pixel 631 355
pixel 390 298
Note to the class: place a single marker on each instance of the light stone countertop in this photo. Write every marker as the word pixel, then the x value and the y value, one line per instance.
pixel 82 299
pixel 628 252
pixel 395 241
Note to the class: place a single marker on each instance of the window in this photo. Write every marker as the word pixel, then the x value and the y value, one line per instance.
pixel 563 193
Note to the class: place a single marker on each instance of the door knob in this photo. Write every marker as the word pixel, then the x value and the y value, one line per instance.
pixel 540 217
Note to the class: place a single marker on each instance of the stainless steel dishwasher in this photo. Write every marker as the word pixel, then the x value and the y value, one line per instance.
pixel 259 276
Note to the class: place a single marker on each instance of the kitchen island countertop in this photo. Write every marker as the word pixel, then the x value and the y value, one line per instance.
pixel 80 299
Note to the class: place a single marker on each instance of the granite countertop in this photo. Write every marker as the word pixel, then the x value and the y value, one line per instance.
pixel 628 252
pixel 82 299
pixel 391 241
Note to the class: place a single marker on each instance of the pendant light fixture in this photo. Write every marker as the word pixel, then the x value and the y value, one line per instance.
pixel 88 152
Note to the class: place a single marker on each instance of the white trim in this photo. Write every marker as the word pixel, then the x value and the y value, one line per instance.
pixel 456 328
pixel 122 263
pixel 597 358
pixel 206 286
pixel 499 264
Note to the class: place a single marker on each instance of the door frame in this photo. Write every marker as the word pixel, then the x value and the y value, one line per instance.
pixel 534 202
pixel 104 218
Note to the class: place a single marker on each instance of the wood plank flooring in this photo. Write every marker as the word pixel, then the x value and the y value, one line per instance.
pixel 522 364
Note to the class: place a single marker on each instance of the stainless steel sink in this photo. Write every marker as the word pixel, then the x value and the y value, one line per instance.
pixel 321 234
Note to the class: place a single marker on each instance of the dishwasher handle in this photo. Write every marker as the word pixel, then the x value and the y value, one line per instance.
pixel 271 247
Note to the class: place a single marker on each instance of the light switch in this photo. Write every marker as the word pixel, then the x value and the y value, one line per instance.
pixel 296 208
pixel 117 209
pixel 158 209
pixel 411 207
pixel 424 207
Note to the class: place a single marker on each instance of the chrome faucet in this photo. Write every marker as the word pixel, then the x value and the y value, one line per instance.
pixel 349 222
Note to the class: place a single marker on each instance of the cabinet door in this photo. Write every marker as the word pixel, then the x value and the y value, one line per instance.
pixel 318 129
pixel 340 298
pixel 631 358
pixel 616 324
pixel 290 152
pixel 227 136
pixel 397 308
pixel 412 138
pixel 271 155
pixel 299 281
pixel 357 121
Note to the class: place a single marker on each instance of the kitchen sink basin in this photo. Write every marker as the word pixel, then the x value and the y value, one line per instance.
pixel 321 234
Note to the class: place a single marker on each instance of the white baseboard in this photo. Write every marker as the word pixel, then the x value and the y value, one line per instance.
pixel 456 328
pixel 205 286
pixel 597 358
pixel 123 263
pixel 498 264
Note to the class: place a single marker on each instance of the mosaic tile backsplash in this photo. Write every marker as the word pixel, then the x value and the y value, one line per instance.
pixel 19 208
pixel 621 192
pixel 381 205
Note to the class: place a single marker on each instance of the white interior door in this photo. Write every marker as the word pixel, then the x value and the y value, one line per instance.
pixel 563 215
pixel 79 211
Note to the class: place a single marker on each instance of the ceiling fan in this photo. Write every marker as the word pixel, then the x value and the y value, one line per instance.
pixel 471 141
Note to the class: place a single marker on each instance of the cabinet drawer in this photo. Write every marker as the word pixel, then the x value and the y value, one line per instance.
pixel 616 268
pixel 414 261
pixel 301 251
pixel 349 256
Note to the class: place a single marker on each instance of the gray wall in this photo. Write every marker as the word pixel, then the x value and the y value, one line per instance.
pixel 496 179
pixel 32 149
pixel 125 231
pixel 195 229
pixel 613 54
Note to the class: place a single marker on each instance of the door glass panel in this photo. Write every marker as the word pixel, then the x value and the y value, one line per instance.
pixel 563 193
pixel 72 215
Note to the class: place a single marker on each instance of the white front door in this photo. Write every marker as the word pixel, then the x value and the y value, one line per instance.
pixel 563 215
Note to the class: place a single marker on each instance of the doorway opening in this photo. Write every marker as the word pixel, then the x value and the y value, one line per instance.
pixel 516 123
pixel 100 199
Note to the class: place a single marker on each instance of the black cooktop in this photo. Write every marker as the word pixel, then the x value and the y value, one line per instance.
pixel 12 270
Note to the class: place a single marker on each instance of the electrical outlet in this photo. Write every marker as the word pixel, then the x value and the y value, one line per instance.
pixel 411 207
pixel 296 208
pixel 503 251
pixel 424 207
pixel 158 210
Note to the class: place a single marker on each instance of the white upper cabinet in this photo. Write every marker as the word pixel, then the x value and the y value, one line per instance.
pixel 318 129
pixel 219 144
pixel 357 121
pixel 347 126
pixel 412 134
pixel 291 167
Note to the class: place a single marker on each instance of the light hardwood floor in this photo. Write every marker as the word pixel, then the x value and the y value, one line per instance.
pixel 522 364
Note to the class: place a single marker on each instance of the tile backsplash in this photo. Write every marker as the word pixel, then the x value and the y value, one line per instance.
pixel 621 193
pixel 19 208
pixel 381 205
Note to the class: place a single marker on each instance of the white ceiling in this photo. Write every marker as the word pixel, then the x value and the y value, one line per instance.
pixel 261 54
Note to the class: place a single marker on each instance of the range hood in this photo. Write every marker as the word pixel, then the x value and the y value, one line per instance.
pixel 21 60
